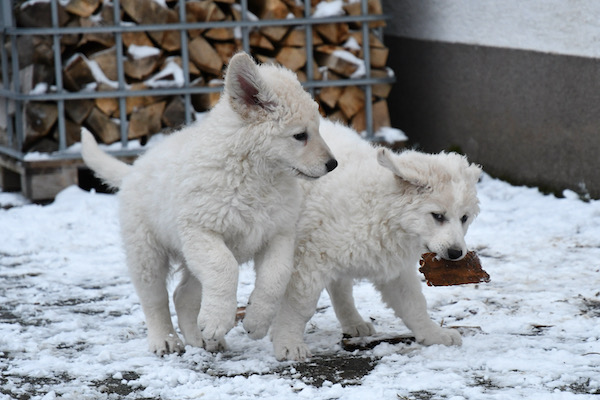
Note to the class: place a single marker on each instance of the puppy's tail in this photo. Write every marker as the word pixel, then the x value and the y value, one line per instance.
pixel 107 168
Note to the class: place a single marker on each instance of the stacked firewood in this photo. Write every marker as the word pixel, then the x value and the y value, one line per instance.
pixel 152 59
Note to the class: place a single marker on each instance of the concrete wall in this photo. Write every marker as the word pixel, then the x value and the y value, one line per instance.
pixel 515 85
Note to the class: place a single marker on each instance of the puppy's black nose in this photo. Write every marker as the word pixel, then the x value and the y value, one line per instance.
pixel 454 254
pixel 331 164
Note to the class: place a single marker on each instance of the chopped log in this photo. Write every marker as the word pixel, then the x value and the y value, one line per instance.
pixel 206 101
pixel 351 101
pixel 293 58
pixel 107 61
pixel 330 95
pixel 77 73
pixel 83 8
pixel 145 121
pixel 39 119
pixel 336 59
pixel 105 39
pixel 136 38
pixel 78 110
pixel 221 34
pixel 373 8
pixel 39 14
pixel 268 9
pixel 226 50
pixel 274 33
pixel 333 33
pixel 108 105
pixel 382 90
pixel 259 41
pixel 381 117
pixel 72 132
pixel 295 38
pixel 137 102
pixel 151 12
pixel 174 114
pixel 141 68
pixel 202 11
pixel 205 56
pixel 177 60
pixel 374 41
pixel 103 127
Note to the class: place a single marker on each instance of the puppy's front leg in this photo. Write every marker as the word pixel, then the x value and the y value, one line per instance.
pixel 273 270
pixel 211 261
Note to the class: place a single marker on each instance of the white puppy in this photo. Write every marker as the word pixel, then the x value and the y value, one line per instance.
pixel 373 218
pixel 214 195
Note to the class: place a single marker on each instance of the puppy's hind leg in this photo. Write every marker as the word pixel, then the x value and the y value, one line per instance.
pixel 149 269
pixel 340 292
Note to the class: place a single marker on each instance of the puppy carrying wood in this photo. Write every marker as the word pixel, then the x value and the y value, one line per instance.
pixel 214 195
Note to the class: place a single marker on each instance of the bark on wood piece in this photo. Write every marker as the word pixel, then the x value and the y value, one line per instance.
pixel 136 38
pixel 268 9
pixel 146 120
pixel 103 127
pixel 141 68
pixel 351 101
pixel 381 117
pixel 333 33
pixel 39 118
pixel 77 73
pixel 83 8
pixel 108 105
pixel 274 33
pixel 105 39
pixel 39 15
pixel 293 58
pixel 258 40
pixel 382 90
pixel 205 56
pixel 373 8
pixel 295 7
pixel 330 95
pixel 202 11
pixel 78 110
pixel 333 58
pixel 174 114
pixel 379 56
pixel 107 61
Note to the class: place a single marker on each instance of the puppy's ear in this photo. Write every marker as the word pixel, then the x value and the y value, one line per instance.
pixel 246 88
pixel 405 173
pixel 474 172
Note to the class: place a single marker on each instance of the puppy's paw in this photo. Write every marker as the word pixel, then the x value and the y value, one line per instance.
pixel 214 326
pixel 448 337
pixel 258 319
pixel 293 351
pixel 215 346
pixel 166 345
pixel 362 329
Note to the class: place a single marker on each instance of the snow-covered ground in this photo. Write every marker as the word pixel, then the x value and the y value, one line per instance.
pixel 71 326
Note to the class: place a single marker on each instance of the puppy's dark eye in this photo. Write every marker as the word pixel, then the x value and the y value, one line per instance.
pixel 438 217
pixel 464 218
pixel 302 137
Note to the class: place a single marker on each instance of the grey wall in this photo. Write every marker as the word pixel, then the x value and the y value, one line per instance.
pixel 528 117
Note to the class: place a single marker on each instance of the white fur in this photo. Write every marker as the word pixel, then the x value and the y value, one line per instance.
pixel 216 194
pixel 372 218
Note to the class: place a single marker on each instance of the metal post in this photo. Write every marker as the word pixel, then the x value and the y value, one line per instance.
pixel 185 63
pixel 62 141
pixel 245 28
pixel 367 59
pixel 120 71
pixel 6 22
pixel 309 47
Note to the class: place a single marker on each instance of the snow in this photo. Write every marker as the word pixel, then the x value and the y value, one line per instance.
pixel 139 52
pixel 71 326
pixel 325 9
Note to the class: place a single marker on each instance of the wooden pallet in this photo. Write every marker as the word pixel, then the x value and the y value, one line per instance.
pixel 41 180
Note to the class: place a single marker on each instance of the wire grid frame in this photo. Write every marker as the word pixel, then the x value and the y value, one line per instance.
pixel 13 100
